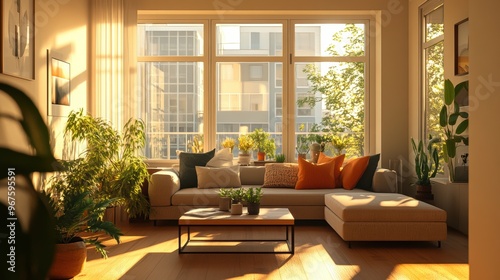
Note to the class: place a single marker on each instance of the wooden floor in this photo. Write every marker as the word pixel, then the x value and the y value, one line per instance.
pixel 149 252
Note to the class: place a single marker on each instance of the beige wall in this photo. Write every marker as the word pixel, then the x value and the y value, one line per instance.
pixel 392 79
pixel 484 98
pixel 62 27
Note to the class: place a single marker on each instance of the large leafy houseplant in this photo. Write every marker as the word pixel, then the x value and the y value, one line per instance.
pixel 77 213
pixel 109 167
pixel 454 122
pixel 33 232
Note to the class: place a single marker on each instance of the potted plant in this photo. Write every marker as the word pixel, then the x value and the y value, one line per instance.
pixel 426 166
pixel 263 143
pixel 245 145
pixel 196 145
pixel 237 196
pixel 34 228
pixel 225 199
pixel 228 142
pixel 75 213
pixel 280 158
pixel 110 166
pixel 252 197
pixel 302 147
pixel 453 122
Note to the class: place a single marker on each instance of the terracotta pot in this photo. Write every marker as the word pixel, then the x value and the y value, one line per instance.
pixel 69 260
pixel 261 156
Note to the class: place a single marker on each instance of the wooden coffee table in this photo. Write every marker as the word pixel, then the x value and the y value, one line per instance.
pixel 212 217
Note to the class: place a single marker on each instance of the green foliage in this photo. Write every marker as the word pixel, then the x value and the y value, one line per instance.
pixel 280 158
pixel 342 90
pixel 252 195
pixel 263 142
pixel 449 117
pixel 237 195
pixel 225 192
pixel 110 167
pixel 196 145
pixel 450 114
pixel 426 161
pixel 76 213
pixel 32 262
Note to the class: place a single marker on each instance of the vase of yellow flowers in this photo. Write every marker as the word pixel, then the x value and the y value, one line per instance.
pixel 245 145
pixel 228 142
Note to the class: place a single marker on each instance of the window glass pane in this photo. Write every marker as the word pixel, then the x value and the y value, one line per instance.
pixel 434 24
pixel 331 109
pixel 434 90
pixel 173 115
pixel 247 99
pixel 170 39
pixel 249 39
pixel 329 39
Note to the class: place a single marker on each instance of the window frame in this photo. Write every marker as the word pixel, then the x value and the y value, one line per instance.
pixel 210 59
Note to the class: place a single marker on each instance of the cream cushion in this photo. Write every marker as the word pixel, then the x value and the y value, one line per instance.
pixel 218 177
pixel 382 207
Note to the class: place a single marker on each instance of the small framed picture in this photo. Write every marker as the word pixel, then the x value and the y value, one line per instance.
pixel 462 48
pixel 58 85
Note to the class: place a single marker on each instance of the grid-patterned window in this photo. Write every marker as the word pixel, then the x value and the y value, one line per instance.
pixel 247 77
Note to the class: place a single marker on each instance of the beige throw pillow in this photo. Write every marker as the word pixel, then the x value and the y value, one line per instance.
pixel 280 175
pixel 222 158
pixel 218 177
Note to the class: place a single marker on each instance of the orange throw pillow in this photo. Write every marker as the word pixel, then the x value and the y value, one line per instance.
pixel 339 160
pixel 315 176
pixel 352 172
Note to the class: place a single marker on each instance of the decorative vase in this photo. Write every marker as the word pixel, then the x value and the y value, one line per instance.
pixel 224 203
pixel 303 156
pixel 314 150
pixel 236 209
pixel 424 192
pixel 253 208
pixel 261 156
pixel 244 159
pixel 69 260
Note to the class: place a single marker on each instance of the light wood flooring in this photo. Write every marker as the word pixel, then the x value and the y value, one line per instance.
pixel 149 252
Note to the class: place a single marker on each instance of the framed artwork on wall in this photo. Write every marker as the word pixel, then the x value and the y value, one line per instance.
pixel 58 85
pixel 462 47
pixel 18 38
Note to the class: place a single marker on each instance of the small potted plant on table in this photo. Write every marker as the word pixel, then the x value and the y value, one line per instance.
pixel 237 196
pixel 225 199
pixel 252 197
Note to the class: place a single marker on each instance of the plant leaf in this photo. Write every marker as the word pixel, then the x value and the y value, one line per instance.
pixel 450 147
pixel 462 127
pixel 443 115
pixel 453 119
pixel 449 92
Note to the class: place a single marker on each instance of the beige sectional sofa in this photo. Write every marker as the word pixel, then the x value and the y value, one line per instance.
pixel 354 214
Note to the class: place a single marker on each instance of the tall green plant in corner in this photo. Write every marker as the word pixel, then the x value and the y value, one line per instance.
pixel 454 122
pixel 110 166
pixel 33 232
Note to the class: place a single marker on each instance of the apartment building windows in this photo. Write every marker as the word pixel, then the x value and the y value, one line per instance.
pixel 220 77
